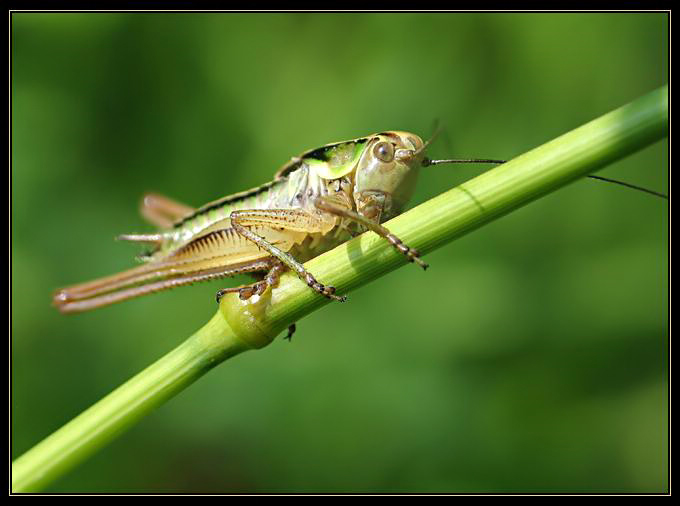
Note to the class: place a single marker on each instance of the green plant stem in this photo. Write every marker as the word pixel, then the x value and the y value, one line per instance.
pixel 93 428
pixel 241 325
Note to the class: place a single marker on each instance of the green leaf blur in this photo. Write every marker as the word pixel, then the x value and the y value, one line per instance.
pixel 531 357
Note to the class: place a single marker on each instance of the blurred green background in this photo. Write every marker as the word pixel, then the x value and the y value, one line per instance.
pixel 531 357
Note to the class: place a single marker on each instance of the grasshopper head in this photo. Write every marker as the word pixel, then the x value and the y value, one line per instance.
pixel 386 174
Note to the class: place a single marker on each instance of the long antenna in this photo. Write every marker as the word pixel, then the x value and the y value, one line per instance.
pixel 628 185
pixel 427 162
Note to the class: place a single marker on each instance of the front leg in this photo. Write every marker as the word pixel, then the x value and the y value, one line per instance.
pixel 294 220
pixel 330 206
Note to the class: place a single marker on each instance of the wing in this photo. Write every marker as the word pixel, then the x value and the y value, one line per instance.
pixel 162 211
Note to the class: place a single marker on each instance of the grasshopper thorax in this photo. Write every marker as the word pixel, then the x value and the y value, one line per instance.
pixel 386 174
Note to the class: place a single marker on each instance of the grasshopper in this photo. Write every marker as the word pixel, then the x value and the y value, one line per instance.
pixel 315 202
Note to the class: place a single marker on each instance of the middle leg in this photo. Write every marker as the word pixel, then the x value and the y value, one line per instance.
pixel 271 279
pixel 293 220
pixel 245 292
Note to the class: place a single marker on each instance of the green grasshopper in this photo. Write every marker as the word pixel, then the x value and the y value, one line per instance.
pixel 316 201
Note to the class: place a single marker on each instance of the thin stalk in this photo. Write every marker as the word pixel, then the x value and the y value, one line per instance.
pixel 241 325
pixel 102 422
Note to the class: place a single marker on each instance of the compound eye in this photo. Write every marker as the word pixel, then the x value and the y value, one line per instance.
pixel 384 151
